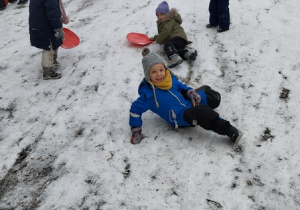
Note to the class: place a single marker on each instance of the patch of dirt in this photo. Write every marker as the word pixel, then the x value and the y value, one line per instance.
pixel 126 173
pixel 266 135
pixel 214 204
pixel 10 110
pixel 284 95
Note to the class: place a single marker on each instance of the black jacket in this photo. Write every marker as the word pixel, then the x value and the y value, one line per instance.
pixel 44 18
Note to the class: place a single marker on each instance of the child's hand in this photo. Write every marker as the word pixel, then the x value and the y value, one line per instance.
pixel 194 96
pixel 151 38
pixel 137 135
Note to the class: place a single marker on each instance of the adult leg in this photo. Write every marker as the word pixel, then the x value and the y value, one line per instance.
pixel 2 5
pixel 213 13
pixel 224 15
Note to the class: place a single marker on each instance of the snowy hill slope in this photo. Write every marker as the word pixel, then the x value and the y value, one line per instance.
pixel 65 143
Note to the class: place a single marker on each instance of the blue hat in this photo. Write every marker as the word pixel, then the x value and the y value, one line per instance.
pixel 163 8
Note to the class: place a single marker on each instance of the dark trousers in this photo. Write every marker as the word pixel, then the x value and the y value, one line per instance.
pixel 204 114
pixel 207 118
pixel 2 4
pixel 219 13
pixel 175 45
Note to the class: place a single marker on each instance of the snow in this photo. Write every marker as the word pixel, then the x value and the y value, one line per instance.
pixel 65 144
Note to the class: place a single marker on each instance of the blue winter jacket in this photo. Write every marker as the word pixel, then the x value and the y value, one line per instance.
pixel 172 103
pixel 44 18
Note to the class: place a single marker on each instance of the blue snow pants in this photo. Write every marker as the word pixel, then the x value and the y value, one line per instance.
pixel 219 13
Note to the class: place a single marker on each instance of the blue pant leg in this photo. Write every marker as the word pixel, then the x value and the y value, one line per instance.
pixel 213 12
pixel 224 15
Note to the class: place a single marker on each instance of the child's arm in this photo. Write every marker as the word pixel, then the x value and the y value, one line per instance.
pixel 164 34
pixel 187 91
pixel 180 85
pixel 138 107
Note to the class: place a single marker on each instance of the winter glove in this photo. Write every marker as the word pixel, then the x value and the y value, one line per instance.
pixel 59 33
pixel 194 96
pixel 137 135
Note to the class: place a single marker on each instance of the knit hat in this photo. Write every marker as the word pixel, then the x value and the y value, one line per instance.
pixel 149 59
pixel 163 8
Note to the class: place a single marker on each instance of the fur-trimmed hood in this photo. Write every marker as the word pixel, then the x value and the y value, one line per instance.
pixel 173 14
pixel 170 27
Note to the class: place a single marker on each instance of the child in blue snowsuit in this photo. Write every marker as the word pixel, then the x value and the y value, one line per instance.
pixel 219 15
pixel 175 102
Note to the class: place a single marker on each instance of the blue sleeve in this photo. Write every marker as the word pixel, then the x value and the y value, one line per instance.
pixel 138 107
pixel 180 85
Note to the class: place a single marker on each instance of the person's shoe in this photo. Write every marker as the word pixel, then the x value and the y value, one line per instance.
pixel 220 30
pixel 210 26
pixel 21 2
pixel 237 137
pixel 234 134
pixel 175 60
pixel 56 64
pixel 48 73
pixel 191 56
pixel 11 1
pixel 2 8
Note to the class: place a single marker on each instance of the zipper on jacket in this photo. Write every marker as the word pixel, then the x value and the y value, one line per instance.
pixel 177 98
pixel 174 118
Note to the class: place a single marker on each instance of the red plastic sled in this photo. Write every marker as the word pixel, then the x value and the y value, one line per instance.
pixel 138 39
pixel 70 39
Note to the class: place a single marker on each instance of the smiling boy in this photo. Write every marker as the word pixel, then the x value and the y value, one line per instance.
pixel 162 93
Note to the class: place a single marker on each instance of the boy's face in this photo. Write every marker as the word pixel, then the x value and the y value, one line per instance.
pixel 157 73
pixel 160 16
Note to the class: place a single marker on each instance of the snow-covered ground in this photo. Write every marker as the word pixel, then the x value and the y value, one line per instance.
pixel 65 144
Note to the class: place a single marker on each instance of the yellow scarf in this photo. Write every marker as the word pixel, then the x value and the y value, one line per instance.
pixel 167 83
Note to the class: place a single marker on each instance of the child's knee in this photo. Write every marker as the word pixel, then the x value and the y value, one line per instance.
pixel 209 96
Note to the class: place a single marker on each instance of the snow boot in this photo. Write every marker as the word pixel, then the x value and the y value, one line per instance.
pixel 223 127
pixel 234 134
pixel 56 64
pixel 220 30
pixel 175 60
pixel 48 73
pixel 21 2
pixel 190 55
pixel 210 26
